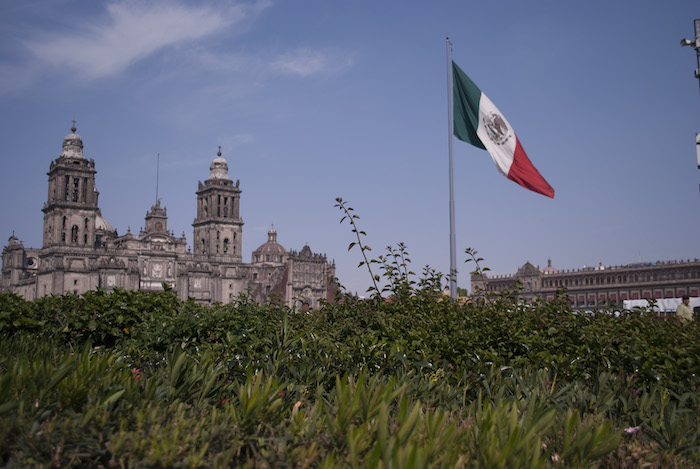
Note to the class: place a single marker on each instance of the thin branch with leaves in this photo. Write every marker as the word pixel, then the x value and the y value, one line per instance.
pixel 478 270
pixel 351 217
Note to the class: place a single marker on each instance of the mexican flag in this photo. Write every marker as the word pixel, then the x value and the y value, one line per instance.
pixel 479 122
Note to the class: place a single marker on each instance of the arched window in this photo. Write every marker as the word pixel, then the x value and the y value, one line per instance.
pixel 76 184
pixel 74 234
pixel 225 245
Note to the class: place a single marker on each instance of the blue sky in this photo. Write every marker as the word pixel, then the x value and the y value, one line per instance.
pixel 313 100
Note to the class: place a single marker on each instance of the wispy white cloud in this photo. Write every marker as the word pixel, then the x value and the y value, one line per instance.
pixel 305 62
pixel 133 31
pixel 108 40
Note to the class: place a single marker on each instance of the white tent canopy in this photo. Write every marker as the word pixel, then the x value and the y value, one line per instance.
pixel 663 305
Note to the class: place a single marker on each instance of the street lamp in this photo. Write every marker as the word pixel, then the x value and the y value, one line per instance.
pixel 696 45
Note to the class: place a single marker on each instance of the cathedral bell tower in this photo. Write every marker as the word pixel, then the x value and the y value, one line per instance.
pixel 218 226
pixel 157 219
pixel 71 209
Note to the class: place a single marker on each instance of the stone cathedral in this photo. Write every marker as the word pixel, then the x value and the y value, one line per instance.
pixel 81 251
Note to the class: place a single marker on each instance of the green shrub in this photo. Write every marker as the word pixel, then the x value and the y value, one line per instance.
pixel 416 380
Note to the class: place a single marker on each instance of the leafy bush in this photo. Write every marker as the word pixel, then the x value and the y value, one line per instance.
pixel 131 379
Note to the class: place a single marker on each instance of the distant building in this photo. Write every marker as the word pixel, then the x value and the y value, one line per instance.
pixel 600 286
pixel 81 251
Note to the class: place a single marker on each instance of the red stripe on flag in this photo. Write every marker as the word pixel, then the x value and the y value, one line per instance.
pixel 524 173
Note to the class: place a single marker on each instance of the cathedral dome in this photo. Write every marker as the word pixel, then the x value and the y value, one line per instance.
pixel 549 269
pixel 102 224
pixel 219 168
pixel 73 145
pixel 271 251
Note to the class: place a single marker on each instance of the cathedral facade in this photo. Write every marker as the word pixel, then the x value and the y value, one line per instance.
pixel 81 251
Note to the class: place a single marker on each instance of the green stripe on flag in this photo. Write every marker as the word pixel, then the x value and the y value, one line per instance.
pixel 466 96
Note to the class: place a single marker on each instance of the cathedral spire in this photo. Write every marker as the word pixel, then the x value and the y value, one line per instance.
pixel 73 145
pixel 219 168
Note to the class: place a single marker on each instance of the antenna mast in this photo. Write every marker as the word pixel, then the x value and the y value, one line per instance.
pixel 157 176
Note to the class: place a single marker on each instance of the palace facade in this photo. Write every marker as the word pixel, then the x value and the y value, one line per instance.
pixel 599 286
pixel 81 251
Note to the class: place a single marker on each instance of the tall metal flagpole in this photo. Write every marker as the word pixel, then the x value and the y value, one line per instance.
pixel 453 244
